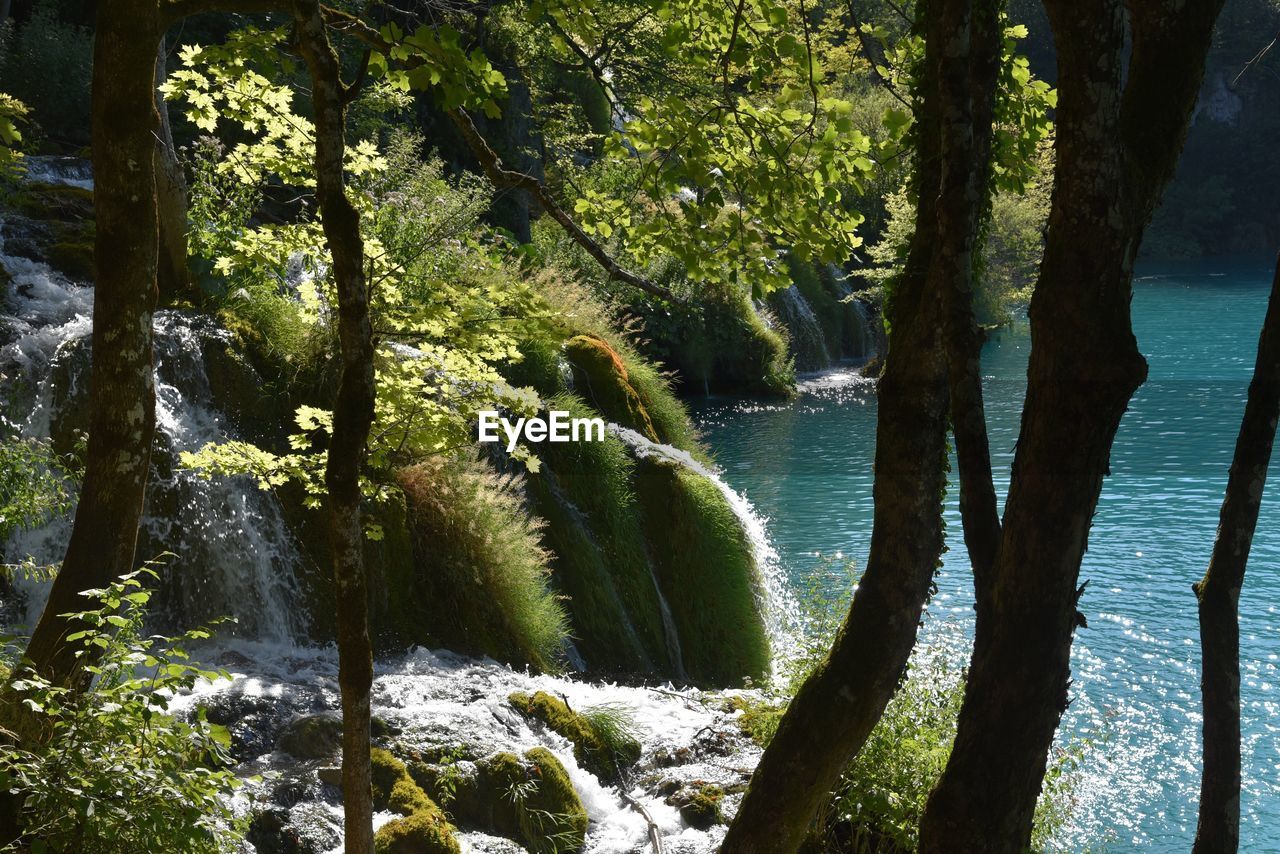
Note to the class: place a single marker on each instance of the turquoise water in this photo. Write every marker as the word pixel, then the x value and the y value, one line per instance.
pixel 807 465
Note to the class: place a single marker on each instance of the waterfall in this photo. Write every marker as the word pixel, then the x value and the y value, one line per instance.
pixel 859 343
pixel 808 343
pixel 781 612
pixel 234 554
pixel 69 171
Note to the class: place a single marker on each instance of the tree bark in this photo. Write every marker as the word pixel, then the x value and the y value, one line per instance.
pixel 1218 594
pixel 172 274
pixel 121 385
pixel 833 713
pixel 352 418
pixel 1116 151
pixel 969 66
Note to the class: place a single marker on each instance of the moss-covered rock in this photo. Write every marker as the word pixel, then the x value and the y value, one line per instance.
pixel 604 754
pixel 319 736
pixel 424 828
pixel 535 802
pixel 600 563
pixel 699 804
pixel 312 736
pixel 600 377
pixel 423 832
pixel 75 260
pixel 706 567
pixel 529 800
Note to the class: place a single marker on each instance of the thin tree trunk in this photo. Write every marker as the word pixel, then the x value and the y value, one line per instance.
pixel 121 386
pixel 1112 165
pixel 172 274
pixel 970 64
pixel 1218 594
pixel 352 417
pixel 833 713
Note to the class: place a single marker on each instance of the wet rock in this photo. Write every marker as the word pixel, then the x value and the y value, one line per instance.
pixel 528 799
pixel 252 721
pixel 604 753
pixel 273 831
pixel 424 828
pixel 312 736
pixel 699 804
pixel 330 775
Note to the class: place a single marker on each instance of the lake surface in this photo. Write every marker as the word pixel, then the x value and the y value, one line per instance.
pixel 807 466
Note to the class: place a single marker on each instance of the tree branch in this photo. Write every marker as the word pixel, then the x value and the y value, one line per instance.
pixel 500 176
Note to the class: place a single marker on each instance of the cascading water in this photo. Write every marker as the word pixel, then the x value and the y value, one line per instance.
pixel 781 612
pixel 808 343
pixel 859 340
pixel 234 556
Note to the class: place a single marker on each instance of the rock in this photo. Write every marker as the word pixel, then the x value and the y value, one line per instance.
pixel 424 829
pixel 603 754
pixel 330 775
pixel 422 832
pixel 528 799
pixel 73 259
pixel 269 833
pixel 600 377
pixel 312 736
pixel 533 801
pixel 699 804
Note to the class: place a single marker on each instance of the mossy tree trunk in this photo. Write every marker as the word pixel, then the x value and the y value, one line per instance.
pixel 121 386
pixel 1218 594
pixel 352 418
pixel 1117 144
pixel 834 711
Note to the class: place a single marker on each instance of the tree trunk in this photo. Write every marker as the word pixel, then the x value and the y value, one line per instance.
pixel 833 713
pixel 172 274
pixel 969 66
pixel 1218 593
pixel 121 386
pixel 1111 168
pixel 352 417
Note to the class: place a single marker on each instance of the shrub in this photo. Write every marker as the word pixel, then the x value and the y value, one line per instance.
pixel 116 772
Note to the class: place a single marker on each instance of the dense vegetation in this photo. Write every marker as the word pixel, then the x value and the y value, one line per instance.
pixel 396 219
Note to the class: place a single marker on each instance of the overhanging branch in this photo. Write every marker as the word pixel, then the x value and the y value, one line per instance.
pixel 499 175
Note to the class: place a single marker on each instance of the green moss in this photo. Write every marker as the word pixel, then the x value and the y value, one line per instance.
pixel 73 259
pixel 699 804
pixel 601 378
pixel 424 828
pixel 423 832
pixel 593 528
pixel 533 802
pixel 605 754
pixel 53 202
pixel 707 570
pixel 480 576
